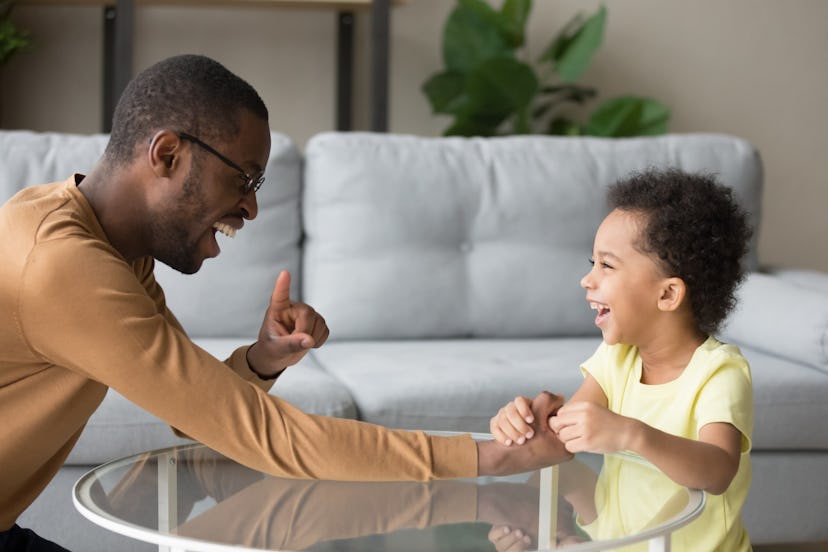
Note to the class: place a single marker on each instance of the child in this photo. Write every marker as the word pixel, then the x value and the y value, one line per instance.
pixel 666 262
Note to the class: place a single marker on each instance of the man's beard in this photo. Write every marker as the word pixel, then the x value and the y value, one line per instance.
pixel 173 244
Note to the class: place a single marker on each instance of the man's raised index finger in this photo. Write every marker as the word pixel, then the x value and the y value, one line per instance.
pixel 281 291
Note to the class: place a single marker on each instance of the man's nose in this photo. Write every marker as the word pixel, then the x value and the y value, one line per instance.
pixel 249 205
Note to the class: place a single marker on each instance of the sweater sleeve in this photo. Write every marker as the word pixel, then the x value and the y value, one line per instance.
pixel 83 308
pixel 145 270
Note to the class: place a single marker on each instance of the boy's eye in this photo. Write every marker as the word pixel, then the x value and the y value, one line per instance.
pixel 603 264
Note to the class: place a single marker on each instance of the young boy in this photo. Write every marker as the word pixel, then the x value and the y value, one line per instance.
pixel 666 262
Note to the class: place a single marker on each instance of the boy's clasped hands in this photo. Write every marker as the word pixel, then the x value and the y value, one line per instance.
pixel 581 426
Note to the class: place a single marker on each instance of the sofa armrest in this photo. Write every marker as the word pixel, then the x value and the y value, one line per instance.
pixel 781 316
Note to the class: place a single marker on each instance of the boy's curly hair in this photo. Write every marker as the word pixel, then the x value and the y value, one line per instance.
pixel 695 230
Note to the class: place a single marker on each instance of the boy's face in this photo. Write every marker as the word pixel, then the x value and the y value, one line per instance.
pixel 624 284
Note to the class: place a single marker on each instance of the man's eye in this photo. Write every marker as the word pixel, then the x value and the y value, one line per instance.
pixel 591 261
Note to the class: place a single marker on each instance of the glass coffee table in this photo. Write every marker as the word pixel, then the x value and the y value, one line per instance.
pixel 190 498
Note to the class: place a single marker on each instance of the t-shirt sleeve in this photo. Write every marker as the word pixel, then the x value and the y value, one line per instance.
pixel 598 367
pixel 83 308
pixel 727 396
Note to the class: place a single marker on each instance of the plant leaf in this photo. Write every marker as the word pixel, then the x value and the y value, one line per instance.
pixel 628 116
pixel 522 122
pixel 11 40
pixel 570 93
pixel 562 126
pixel 446 92
pixel 574 59
pixel 561 41
pixel 517 13
pixel 469 126
pixel 501 86
pixel 469 39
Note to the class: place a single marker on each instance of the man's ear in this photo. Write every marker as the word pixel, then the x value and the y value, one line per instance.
pixel 673 293
pixel 164 153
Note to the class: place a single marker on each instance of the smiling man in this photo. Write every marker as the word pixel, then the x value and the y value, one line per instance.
pixel 83 311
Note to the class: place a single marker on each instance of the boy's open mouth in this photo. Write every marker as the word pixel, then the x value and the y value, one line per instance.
pixel 603 312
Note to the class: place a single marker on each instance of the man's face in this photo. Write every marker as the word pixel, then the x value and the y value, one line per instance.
pixel 210 198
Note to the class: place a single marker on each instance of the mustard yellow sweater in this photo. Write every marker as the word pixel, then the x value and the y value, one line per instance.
pixel 77 319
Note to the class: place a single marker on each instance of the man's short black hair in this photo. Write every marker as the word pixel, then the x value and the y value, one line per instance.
pixel 695 230
pixel 186 93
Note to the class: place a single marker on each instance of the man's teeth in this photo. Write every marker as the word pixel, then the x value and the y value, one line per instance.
pixel 225 229
pixel 599 307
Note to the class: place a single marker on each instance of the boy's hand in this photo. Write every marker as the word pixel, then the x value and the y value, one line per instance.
pixel 585 426
pixel 512 423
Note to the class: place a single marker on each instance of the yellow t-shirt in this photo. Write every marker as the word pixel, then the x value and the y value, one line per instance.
pixel 714 387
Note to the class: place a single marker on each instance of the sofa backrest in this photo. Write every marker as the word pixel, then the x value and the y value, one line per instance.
pixel 409 237
pixel 228 296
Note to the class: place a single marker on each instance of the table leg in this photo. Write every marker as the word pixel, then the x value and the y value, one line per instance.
pixel 548 508
pixel 659 544
pixel 167 497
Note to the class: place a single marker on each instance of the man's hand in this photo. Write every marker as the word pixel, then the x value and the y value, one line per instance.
pixel 288 331
pixel 543 449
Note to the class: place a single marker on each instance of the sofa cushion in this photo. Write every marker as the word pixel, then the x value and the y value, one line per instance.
pixel 782 315
pixel 460 384
pixel 453 385
pixel 119 427
pixel 788 402
pixel 29 158
pixel 411 237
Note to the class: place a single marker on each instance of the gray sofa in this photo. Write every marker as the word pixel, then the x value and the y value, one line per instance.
pixel 448 272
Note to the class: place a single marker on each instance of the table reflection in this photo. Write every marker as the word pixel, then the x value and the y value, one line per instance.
pixel 196 493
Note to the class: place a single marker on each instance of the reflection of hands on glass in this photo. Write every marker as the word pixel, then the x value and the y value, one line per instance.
pixel 512 510
pixel 505 539
pixel 576 485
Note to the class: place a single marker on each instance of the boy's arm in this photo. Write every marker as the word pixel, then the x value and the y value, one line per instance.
pixel 709 463
pixel 590 391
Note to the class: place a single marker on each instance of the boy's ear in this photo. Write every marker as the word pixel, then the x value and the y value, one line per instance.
pixel 164 153
pixel 673 293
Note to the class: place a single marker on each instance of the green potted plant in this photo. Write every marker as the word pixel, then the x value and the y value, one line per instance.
pixel 489 90
pixel 12 39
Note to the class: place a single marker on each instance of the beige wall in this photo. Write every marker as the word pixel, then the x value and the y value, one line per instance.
pixel 752 68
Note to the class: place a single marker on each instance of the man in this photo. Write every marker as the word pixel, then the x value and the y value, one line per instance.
pixel 83 312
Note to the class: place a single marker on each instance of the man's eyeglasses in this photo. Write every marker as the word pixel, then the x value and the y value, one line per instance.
pixel 252 182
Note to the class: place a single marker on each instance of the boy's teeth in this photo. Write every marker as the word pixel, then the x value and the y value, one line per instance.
pixel 225 229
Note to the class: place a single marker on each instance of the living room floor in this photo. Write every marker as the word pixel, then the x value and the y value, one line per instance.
pixel 808 547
